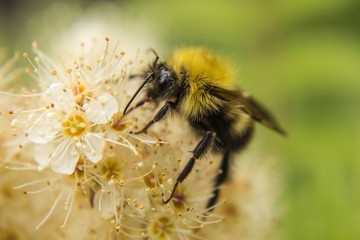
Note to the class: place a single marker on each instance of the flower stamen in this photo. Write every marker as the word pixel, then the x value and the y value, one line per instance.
pixel 74 126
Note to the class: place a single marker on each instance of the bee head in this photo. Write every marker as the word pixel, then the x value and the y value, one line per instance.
pixel 162 82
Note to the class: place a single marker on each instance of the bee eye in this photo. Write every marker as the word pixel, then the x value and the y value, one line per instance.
pixel 165 76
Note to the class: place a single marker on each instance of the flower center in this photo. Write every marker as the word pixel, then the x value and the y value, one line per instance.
pixel 110 168
pixel 74 125
pixel 151 180
pixel 162 228
pixel 179 200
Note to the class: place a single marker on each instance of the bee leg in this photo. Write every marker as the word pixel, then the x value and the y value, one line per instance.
pixel 139 104
pixel 224 167
pixel 242 141
pixel 160 115
pixel 199 150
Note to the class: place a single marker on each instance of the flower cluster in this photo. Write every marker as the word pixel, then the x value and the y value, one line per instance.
pixel 66 142
pixel 69 134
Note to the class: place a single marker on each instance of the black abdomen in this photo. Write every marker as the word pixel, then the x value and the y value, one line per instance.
pixel 232 133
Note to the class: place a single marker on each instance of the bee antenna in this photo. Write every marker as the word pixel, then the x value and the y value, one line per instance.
pixel 156 56
pixel 137 92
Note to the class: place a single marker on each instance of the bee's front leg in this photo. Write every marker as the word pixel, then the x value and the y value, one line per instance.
pixel 139 104
pixel 159 115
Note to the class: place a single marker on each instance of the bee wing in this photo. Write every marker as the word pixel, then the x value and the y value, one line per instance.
pixel 249 105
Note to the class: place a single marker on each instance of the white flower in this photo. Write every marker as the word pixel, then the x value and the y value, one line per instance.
pixel 88 76
pixel 63 131
pixel 69 120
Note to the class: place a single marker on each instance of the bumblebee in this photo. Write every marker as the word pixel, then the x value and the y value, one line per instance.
pixel 200 86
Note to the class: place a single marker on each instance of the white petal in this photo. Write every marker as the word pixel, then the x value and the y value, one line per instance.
pixel 94 146
pixel 42 132
pixel 61 96
pixel 95 112
pixel 42 154
pixel 109 103
pixel 101 109
pixel 64 158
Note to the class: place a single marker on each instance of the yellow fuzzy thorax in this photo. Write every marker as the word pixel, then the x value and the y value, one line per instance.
pixel 200 62
pixel 203 71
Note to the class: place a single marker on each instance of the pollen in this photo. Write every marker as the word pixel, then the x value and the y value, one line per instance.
pixel 74 125
pixel 78 91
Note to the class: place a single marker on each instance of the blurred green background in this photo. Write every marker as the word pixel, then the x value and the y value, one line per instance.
pixel 300 58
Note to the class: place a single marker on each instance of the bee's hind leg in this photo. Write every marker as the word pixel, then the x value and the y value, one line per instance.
pixel 220 178
pixel 241 142
pixel 199 150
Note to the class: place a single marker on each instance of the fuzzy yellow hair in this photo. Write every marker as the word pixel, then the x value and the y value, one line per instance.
pixel 203 69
